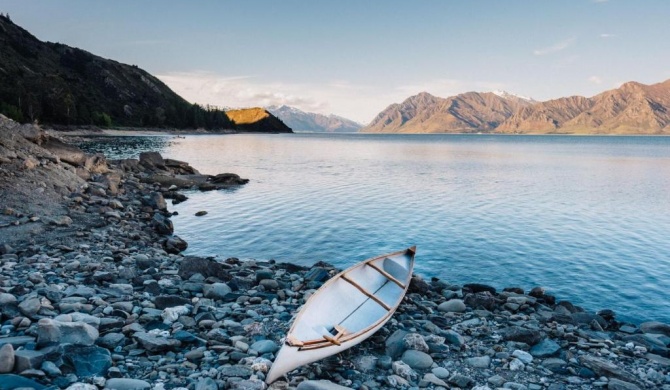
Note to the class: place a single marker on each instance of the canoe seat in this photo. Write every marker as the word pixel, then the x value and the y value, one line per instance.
pixel 366 292
pixel 387 275
pixel 341 331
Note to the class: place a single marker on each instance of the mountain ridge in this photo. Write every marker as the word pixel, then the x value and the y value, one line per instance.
pixel 633 108
pixel 463 113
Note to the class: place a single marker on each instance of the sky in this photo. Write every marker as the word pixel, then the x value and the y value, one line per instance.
pixel 353 58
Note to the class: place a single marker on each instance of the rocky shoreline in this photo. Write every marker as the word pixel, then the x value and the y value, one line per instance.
pixel 95 293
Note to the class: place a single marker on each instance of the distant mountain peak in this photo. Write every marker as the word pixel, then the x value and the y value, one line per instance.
pixel 308 121
pixel 509 95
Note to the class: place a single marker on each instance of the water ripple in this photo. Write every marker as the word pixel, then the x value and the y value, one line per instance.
pixel 585 217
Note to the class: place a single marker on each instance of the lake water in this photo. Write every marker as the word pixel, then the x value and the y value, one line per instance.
pixel 588 218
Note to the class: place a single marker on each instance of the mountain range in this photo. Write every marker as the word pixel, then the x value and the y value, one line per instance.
pixel 633 108
pixel 300 120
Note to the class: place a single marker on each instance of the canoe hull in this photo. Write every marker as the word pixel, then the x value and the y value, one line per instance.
pixel 289 358
pixel 345 311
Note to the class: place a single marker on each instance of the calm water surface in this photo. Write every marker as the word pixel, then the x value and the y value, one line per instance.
pixel 586 217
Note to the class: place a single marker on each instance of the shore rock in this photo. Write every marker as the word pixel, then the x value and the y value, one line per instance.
pixel 320 385
pixel 80 333
pixel 6 359
pixel 126 384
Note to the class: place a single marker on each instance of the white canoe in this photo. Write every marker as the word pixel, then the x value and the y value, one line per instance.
pixel 346 310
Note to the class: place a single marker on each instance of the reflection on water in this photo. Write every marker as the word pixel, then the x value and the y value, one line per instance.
pixel 585 217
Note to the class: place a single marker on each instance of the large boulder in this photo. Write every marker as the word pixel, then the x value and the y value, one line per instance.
pixel 206 267
pixel 79 333
pixel 228 179
pixel 67 153
pixel 152 161
pixel 87 360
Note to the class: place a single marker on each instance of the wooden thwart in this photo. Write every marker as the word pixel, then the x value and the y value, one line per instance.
pixel 387 275
pixel 366 292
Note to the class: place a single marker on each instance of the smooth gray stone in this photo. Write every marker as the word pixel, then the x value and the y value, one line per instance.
pixel 453 338
pixel 440 372
pixel 111 340
pixel 206 384
pixel 417 359
pixel 265 346
pixel 216 290
pixel 50 368
pixel 395 344
pixel 321 385
pixel 235 371
pixel 545 348
pixel 452 306
pixel 479 361
pixel 16 341
pixel 126 384
pixel 155 343
pixel 30 306
pixel 11 382
pixel 80 333
pixel 616 384
pixel 655 327
pixel 6 359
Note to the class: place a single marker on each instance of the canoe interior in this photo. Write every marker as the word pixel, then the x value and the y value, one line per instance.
pixel 341 303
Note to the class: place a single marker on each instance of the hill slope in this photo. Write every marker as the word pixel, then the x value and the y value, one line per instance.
pixel 58 84
pixel 464 113
pixel 308 121
pixel 633 108
pixel 257 119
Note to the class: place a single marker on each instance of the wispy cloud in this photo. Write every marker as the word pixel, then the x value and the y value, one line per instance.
pixel 340 97
pixel 556 47
pixel 595 80
pixel 606 35
pixel 599 1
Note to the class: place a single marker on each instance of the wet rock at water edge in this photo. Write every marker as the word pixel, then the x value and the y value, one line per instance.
pixel 175 245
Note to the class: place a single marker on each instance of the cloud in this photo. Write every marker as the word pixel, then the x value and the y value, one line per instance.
pixel 595 80
pixel 606 35
pixel 340 97
pixel 600 1
pixel 556 47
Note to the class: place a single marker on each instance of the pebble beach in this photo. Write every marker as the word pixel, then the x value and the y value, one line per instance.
pixel 95 293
